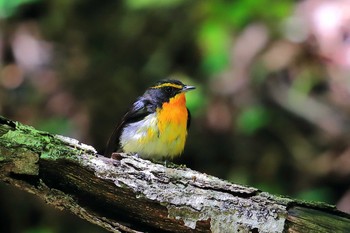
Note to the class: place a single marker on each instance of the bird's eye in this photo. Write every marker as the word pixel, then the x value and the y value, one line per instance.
pixel 168 89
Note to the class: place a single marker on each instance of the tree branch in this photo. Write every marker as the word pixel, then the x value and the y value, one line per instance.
pixel 129 194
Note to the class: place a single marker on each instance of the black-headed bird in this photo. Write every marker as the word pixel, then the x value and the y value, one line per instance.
pixel 155 127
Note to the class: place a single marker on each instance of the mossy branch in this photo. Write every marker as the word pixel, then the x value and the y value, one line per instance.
pixel 130 194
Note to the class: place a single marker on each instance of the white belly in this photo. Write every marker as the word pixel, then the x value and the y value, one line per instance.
pixel 145 139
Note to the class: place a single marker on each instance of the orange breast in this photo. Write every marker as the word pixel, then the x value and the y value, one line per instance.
pixel 174 111
pixel 172 124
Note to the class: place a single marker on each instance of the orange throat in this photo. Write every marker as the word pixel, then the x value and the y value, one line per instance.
pixel 174 111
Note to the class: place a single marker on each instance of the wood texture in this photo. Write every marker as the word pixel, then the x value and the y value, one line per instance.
pixel 129 194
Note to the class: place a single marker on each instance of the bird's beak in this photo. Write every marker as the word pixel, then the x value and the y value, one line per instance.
pixel 188 88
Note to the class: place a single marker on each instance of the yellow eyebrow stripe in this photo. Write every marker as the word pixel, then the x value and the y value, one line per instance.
pixel 168 85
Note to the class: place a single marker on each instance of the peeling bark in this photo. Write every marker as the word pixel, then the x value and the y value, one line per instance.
pixel 130 194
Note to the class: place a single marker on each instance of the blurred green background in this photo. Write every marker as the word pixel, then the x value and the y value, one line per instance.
pixel 271 109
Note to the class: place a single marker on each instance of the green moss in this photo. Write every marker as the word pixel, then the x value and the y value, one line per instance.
pixel 15 135
pixel 26 162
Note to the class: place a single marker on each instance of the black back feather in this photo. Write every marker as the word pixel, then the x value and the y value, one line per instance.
pixel 139 110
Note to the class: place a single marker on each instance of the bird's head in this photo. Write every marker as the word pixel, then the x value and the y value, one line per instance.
pixel 165 90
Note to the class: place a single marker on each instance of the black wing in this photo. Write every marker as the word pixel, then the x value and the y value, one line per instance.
pixel 188 119
pixel 138 111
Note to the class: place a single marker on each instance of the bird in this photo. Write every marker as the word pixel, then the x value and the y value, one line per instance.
pixel 155 126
